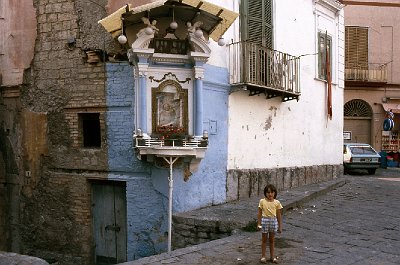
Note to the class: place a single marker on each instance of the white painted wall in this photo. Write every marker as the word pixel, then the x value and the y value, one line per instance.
pixel 270 133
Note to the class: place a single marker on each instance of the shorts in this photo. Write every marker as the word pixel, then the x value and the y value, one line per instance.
pixel 269 224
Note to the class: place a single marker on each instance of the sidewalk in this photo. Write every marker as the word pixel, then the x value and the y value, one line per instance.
pixel 241 247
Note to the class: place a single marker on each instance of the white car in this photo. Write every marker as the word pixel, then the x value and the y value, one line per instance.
pixel 360 156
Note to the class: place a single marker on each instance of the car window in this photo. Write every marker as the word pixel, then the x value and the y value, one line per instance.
pixel 362 150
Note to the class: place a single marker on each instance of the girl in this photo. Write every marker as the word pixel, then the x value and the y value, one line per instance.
pixel 269 221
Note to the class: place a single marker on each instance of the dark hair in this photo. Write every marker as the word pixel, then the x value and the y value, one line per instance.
pixel 271 188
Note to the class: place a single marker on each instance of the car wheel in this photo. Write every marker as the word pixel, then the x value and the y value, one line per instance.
pixel 371 171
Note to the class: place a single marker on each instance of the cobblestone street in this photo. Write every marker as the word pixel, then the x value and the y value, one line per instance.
pixel 356 223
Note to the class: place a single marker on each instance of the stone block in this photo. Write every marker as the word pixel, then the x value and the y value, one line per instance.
pixel 314 174
pixel 295 177
pixel 253 183
pixel 264 177
pixel 280 179
pixel 287 178
pixel 301 171
pixel 329 172
pixel 272 177
pixel 232 188
pixel 308 175
pixel 244 184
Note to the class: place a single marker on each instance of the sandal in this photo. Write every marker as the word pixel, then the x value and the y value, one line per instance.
pixel 263 260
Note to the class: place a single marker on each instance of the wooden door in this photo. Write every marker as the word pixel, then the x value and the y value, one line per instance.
pixel 360 129
pixel 109 222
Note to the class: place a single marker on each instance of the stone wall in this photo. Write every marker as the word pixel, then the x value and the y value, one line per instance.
pixel 251 182
pixel 54 207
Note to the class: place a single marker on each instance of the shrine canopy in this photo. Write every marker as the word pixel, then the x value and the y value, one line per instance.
pixel 216 20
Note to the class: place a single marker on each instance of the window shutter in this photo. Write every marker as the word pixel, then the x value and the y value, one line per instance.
pixel 322 41
pixel 356 48
pixel 256 21
pixel 268 33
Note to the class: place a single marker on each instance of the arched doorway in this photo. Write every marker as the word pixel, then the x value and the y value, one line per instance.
pixel 357 120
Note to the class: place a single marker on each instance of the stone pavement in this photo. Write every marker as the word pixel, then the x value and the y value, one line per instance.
pixel 242 247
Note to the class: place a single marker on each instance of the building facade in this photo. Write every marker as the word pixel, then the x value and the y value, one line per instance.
pixel 372 82
pixel 103 137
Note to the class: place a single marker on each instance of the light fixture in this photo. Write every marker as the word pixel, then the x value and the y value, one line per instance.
pixel 173 24
pixel 122 38
pixel 221 42
pixel 198 33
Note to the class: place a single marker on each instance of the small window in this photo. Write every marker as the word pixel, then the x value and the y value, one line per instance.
pixel 324 48
pixel 90 129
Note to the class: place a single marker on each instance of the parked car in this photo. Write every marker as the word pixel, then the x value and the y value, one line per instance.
pixel 360 156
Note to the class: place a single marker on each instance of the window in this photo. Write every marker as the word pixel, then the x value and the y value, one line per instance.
pixel 356 45
pixel 90 129
pixel 256 22
pixel 324 47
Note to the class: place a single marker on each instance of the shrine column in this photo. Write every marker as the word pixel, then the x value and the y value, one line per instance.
pixel 198 100
pixel 142 67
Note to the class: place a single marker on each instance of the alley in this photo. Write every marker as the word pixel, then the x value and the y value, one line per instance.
pixel 356 223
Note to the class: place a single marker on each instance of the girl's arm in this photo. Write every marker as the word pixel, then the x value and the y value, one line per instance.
pixel 279 217
pixel 259 218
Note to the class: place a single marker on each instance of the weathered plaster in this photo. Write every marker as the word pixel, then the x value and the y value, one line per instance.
pixel 17 39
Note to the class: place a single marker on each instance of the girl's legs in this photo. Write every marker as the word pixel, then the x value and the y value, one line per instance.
pixel 272 245
pixel 263 244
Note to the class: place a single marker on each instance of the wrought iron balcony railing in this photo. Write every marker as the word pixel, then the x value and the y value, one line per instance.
pixel 263 70
pixel 370 73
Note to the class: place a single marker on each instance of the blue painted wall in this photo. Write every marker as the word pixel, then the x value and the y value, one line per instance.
pixel 147 186
pixel 206 186
pixel 146 208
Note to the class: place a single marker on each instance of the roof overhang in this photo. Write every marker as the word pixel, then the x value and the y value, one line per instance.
pixel 216 20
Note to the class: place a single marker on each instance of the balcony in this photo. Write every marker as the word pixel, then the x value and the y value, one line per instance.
pixel 371 75
pixel 262 70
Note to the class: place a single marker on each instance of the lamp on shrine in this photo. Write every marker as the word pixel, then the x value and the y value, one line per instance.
pixel 122 38
pixel 173 24
pixel 221 42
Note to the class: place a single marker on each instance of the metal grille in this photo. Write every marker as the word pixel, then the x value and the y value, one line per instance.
pixel 357 108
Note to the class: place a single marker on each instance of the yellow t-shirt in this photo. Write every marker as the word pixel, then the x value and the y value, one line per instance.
pixel 269 208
